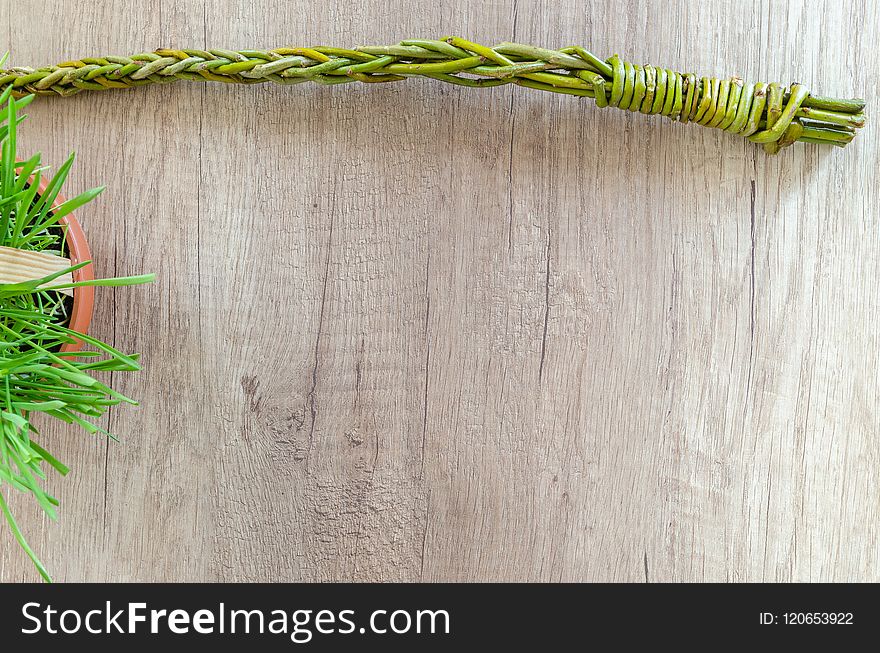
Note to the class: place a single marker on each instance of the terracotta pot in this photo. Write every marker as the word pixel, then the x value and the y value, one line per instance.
pixel 77 252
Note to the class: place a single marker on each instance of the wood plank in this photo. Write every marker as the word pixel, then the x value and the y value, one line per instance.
pixel 415 331
pixel 20 266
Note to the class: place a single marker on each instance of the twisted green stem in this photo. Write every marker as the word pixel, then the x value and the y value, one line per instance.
pixel 767 114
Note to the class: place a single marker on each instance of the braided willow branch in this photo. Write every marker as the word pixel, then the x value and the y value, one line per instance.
pixel 764 113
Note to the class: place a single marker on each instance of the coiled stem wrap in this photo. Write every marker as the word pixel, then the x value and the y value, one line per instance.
pixel 768 114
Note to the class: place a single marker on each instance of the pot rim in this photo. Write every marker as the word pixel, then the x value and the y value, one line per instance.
pixel 77 251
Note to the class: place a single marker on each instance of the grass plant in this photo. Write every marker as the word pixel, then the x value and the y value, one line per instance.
pixel 37 380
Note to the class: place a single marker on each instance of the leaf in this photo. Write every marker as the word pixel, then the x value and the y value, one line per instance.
pixel 24 545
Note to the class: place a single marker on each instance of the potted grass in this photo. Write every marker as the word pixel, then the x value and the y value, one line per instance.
pixel 48 363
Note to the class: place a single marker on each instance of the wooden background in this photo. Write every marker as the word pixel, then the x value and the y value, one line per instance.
pixel 420 332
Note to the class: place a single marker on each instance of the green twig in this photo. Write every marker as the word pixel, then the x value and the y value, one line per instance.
pixel 765 113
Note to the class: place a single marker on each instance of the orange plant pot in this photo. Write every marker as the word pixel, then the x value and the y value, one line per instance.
pixel 77 252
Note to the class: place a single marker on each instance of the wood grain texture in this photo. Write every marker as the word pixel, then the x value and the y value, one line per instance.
pixel 21 266
pixel 419 332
